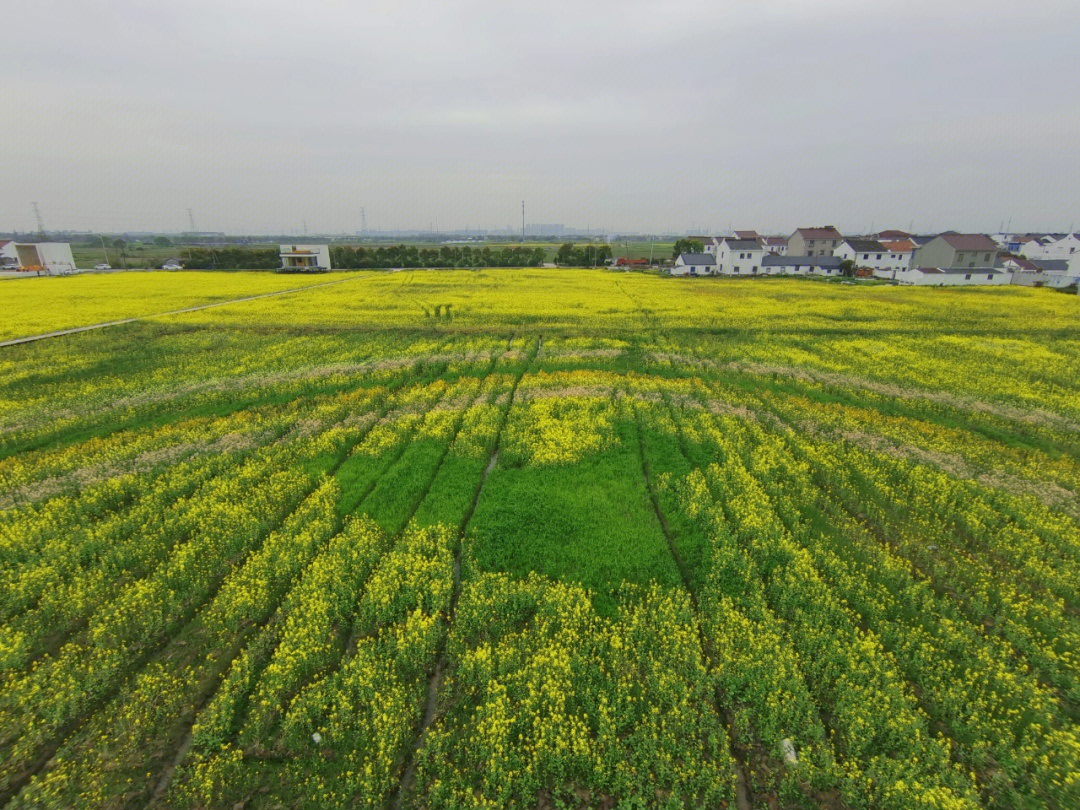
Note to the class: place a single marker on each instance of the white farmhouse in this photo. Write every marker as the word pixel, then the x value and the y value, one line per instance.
pixel 53 258
pixel 953 276
pixel 305 258
pixel 694 264
pixel 1052 247
pixel 739 257
pixel 867 254
pixel 828 266
pixel 900 254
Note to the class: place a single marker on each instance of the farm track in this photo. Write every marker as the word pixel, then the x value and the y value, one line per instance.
pixel 120 322
pixel 742 795
pixel 190 615
pixel 405 785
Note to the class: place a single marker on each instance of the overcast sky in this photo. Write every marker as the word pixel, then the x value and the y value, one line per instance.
pixel 640 116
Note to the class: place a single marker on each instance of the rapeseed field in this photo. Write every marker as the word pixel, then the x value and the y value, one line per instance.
pixel 539 538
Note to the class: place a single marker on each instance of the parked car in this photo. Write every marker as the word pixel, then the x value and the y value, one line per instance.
pixel 103 266
pixel 172 265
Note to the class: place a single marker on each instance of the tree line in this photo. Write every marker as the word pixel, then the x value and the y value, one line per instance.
pixel 573 255
pixel 357 258
pixel 343 257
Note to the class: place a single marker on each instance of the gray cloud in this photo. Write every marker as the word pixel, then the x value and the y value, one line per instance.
pixel 635 115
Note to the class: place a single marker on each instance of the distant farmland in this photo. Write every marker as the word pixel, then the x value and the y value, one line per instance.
pixel 539 538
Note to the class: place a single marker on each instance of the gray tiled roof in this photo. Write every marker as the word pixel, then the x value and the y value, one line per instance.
pixel 866 245
pixel 1051 265
pixel 698 258
pixel 795 261
pixel 744 244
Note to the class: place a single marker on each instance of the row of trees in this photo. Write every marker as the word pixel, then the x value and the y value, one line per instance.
pixel 362 258
pixel 582 255
pixel 231 258
pixel 357 258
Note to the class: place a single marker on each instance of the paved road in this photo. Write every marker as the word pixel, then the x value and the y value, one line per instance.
pixel 72 331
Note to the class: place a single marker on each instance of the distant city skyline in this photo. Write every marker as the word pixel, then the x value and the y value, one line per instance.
pixel 634 117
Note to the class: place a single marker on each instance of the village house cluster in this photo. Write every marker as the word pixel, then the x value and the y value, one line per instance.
pixel 945 259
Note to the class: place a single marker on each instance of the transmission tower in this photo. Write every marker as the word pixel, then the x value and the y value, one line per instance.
pixel 40 223
pixel 363 220
pixel 191 219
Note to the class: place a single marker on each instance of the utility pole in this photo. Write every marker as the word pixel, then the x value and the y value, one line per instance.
pixel 102 238
pixel 40 223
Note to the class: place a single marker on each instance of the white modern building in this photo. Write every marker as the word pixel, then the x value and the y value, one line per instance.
pixel 954 276
pixel 739 257
pixel 52 258
pixel 867 254
pixel 694 264
pixel 305 258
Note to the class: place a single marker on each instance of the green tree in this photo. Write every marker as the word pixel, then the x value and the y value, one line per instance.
pixel 686 246
pixel 162 241
pixel 565 254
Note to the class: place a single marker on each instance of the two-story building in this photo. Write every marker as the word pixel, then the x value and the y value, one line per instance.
pixel 739 257
pixel 814 241
pixel 305 258
pixel 957 250
pixel 867 254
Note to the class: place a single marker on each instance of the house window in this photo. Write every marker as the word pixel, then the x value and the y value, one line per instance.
pixel 990 276
pixel 736 269
pixel 967 277
pixel 865 256
pixel 971 264
pixel 986 257
pixel 879 255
